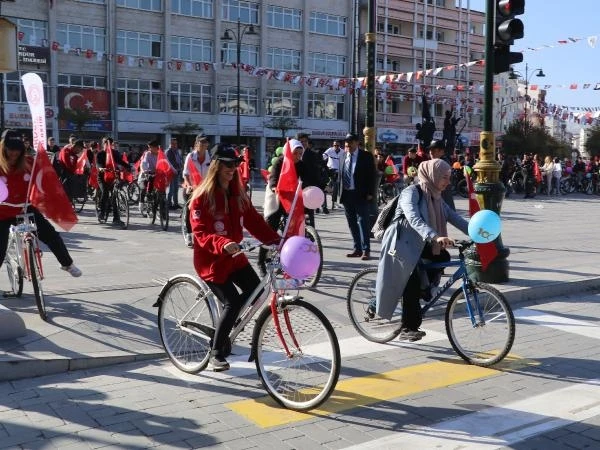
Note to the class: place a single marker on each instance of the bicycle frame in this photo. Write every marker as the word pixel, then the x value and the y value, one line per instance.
pixel 23 232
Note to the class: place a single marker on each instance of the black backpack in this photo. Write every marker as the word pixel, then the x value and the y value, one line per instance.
pixel 386 216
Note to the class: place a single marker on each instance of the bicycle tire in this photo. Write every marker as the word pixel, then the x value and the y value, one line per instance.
pixel 123 206
pixel 133 193
pixel 491 341
pixel 249 190
pixel 99 216
pixel 461 188
pixel 188 352
pixel 311 233
pixel 14 271
pixel 152 208
pixel 306 379
pixel 36 280
pixel 184 233
pixel 360 303
pixel 163 211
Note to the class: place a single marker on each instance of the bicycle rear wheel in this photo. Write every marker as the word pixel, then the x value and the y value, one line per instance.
pixel 186 323
pixel 486 336
pixel 36 279
pixel 312 234
pixel 14 271
pixel 307 376
pixel 123 206
pixel 360 302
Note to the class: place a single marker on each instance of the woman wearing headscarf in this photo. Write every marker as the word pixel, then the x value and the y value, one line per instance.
pixel 418 231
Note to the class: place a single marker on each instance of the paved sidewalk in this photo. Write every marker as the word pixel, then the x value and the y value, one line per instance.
pixel 106 316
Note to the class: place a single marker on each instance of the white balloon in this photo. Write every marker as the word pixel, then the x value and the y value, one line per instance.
pixel 313 197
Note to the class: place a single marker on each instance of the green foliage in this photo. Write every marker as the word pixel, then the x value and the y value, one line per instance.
pixel 592 144
pixel 522 136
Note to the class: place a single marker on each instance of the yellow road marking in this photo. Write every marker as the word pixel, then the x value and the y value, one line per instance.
pixel 353 392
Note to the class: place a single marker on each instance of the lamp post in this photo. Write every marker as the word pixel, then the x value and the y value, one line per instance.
pixel 230 35
pixel 514 75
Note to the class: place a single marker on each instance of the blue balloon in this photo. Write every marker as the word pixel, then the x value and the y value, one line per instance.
pixel 484 226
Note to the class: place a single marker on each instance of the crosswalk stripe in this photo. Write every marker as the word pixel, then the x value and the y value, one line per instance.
pixel 566 324
pixel 501 426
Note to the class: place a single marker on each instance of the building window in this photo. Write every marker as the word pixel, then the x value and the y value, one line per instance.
pixel 35 32
pixel 388 64
pixel 327 64
pixel 14 87
pixel 248 101
pixel 391 28
pixel 282 103
pixel 439 35
pixel 391 106
pixel 81 36
pixel 134 43
pixel 325 106
pixel 440 3
pixel 283 59
pixel 83 81
pixel 191 49
pixel 327 24
pixel 246 12
pixel 190 97
pixel 148 5
pixel 139 94
pixel 194 8
pixel 284 18
pixel 248 53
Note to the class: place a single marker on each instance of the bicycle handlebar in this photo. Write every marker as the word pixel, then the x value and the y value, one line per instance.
pixel 250 245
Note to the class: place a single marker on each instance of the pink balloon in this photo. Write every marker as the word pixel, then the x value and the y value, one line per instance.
pixel 300 257
pixel 313 197
pixel 3 191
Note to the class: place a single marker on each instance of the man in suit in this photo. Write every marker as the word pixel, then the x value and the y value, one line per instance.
pixel 357 185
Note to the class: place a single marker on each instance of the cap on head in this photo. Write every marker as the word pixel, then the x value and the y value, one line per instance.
pixel 351 137
pixel 223 152
pixel 201 138
pixel 294 144
pixel 10 134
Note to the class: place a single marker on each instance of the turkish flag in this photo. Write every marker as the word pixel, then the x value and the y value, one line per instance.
pixel 47 194
pixel 394 176
pixel 195 174
pixel 81 163
pixel 164 172
pixel 489 251
pixel 289 189
pixel 109 173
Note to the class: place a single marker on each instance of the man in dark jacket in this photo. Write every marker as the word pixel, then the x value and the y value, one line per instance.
pixel 176 160
pixel 106 182
pixel 314 169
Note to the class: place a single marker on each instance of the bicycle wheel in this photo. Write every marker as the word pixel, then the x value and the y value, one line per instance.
pixel 486 336
pixel 184 212
pixel 312 234
pixel 152 206
pixel 14 271
pixel 36 279
pixel 306 378
pixel 123 206
pixel 163 211
pixel 133 193
pixel 249 190
pixel 186 323
pixel 97 207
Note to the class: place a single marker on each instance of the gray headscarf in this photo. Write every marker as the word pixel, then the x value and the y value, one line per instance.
pixel 430 175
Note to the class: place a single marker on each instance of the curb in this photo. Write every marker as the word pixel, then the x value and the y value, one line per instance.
pixel 550 290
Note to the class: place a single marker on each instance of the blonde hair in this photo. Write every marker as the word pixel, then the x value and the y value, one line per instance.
pixel 207 189
pixel 5 167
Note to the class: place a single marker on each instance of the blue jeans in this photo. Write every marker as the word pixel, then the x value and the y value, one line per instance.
pixel 173 190
pixel 358 217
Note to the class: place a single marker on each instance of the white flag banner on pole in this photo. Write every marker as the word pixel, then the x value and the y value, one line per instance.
pixel 34 91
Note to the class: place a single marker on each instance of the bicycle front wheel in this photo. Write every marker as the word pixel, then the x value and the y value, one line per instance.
pixel 312 234
pixel 306 376
pixel 360 302
pixel 481 328
pixel 15 273
pixel 36 279
pixel 186 323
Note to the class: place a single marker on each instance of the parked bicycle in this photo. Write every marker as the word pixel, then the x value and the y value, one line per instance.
pixel 479 321
pixel 156 204
pixel 294 346
pixel 24 258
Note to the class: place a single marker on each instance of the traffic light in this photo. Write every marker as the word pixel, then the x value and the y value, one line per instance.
pixel 508 28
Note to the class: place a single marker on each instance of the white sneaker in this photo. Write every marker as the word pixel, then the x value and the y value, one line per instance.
pixel 72 269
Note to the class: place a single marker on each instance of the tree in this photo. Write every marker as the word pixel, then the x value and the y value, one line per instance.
pixel 183 133
pixel 78 116
pixel 283 124
pixel 522 136
pixel 592 143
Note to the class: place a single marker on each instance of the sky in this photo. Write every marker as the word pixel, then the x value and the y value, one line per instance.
pixel 546 22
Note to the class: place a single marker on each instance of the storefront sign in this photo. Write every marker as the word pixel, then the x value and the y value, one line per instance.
pixel 37 56
pixel 17 115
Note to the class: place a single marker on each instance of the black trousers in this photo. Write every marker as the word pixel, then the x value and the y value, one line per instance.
pixel 46 233
pixel 186 211
pixel 412 318
pixel 246 280
pixel 105 189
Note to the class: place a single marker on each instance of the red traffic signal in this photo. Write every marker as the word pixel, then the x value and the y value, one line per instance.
pixel 507 27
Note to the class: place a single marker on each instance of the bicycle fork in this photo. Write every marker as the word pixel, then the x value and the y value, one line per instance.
pixel 478 321
pixel 288 325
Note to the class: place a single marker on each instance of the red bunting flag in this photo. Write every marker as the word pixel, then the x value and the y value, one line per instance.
pixel 289 190
pixel 47 194
pixel 487 252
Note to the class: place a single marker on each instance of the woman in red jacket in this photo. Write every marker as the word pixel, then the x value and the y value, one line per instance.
pixel 219 210
pixel 15 171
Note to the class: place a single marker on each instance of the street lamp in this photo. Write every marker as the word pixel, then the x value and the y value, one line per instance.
pixel 514 75
pixel 230 35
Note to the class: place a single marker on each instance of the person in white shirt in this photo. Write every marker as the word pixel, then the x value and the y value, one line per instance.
pixel 556 176
pixel 332 155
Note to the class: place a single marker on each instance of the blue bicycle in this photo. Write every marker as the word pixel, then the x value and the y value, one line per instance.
pixel 479 321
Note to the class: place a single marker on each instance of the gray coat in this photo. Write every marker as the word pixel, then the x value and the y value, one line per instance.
pixel 402 245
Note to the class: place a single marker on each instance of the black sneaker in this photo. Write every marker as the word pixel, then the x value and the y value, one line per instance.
pixel 119 223
pixel 218 364
pixel 411 335
pixel 325 210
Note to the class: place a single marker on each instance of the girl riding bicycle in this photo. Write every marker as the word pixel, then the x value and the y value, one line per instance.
pixel 219 210
pixel 417 231
pixel 15 169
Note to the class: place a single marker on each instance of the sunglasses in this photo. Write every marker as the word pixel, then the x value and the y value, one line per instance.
pixel 229 164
